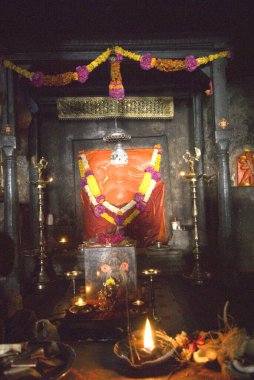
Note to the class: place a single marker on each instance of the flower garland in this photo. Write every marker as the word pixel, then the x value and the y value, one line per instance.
pixel 136 205
pixel 146 61
pixel 116 89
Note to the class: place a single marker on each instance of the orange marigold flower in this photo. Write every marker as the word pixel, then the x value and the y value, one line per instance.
pixel 59 79
pixel 169 64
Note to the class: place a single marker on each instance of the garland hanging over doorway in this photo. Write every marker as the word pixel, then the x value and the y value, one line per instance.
pixel 115 55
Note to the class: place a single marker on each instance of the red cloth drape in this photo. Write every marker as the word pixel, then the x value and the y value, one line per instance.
pixel 119 184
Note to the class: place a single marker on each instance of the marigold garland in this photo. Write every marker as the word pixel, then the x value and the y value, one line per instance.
pixel 146 61
pixel 128 54
pixel 138 204
pixel 116 89
pixel 169 64
pixel 58 80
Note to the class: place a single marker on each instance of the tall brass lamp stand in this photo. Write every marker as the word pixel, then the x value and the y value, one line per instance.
pixel 43 278
pixel 197 275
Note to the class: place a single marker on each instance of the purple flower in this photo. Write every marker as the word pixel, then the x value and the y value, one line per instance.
pixel 116 92
pixel 230 54
pixel 113 238
pixel 88 172
pixel 141 206
pixel 191 63
pixel 117 238
pixel 138 197
pixel 150 170
pixel 99 209
pixel 145 61
pixel 119 219
pixel 83 182
pixel 119 57
pixel 37 79
pixel 100 198
pixel 154 174
pixel 83 73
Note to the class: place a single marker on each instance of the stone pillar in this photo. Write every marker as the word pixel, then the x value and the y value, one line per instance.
pixel 11 204
pixel 223 132
pixel 199 143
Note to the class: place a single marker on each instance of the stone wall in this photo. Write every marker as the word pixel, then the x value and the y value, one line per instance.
pixel 178 134
pixel 241 115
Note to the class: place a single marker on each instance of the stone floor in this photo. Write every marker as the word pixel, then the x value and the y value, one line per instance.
pixel 180 304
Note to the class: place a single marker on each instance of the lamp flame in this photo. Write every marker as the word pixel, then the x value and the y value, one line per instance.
pixel 80 302
pixel 63 240
pixel 148 337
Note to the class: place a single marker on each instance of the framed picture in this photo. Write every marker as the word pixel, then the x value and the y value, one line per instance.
pixel 103 263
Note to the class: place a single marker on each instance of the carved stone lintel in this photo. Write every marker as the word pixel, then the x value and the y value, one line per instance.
pixel 93 108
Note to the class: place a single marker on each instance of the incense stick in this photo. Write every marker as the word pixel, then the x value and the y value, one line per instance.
pixel 128 323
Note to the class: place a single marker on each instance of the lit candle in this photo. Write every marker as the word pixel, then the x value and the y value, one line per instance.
pixel 80 302
pixel 63 240
pixel 148 337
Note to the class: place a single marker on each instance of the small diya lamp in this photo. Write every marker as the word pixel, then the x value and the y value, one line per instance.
pixel 138 303
pixel 145 348
pixel 63 240
pixel 80 306
pixel 138 307
pixel 80 302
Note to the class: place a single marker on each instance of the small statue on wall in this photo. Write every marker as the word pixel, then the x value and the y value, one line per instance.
pixel 245 168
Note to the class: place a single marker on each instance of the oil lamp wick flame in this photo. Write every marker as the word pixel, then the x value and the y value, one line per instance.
pixel 148 337
pixel 80 302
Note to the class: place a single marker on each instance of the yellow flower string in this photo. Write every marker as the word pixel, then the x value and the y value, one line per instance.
pixel 92 183
pixel 9 65
pixel 145 183
pixel 130 218
pixel 99 60
pixel 109 218
pixel 157 162
pixel 63 79
pixel 212 57
pixel 128 54
pixel 81 168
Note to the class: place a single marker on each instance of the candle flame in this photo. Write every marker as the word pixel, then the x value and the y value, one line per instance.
pixel 148 336
pixel 63 240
